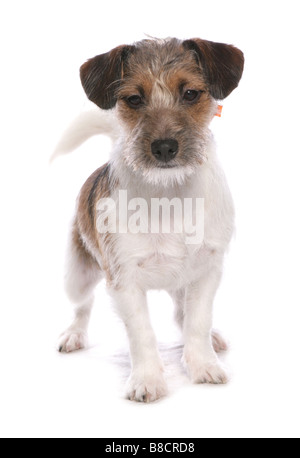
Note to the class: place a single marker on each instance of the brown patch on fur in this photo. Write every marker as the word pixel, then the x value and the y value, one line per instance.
pixel 87 260
pixel 98 185
pixel 128 116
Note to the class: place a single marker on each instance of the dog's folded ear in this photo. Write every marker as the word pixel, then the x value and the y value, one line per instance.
pixel 101 76
pixel 222 65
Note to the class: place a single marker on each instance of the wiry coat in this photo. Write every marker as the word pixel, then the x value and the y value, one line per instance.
pixel 150 86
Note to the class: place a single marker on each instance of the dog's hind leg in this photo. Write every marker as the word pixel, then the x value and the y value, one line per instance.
pixel 219 343
pixel 179 299
pixel 82 276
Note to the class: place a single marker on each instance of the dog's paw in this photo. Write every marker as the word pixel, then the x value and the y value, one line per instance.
pixel 205 370
pixel 146 388
pixel 72 340
pixel 212 373
pixel 219 343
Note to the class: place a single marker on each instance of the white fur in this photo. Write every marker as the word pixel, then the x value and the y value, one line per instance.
pixel 161 95
pixel 86 125
pixel 191 274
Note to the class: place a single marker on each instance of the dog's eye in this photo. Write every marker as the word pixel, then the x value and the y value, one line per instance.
pixel 191 95
pixel 135 101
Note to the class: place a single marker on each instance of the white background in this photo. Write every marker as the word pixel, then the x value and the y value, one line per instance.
pixel 45 394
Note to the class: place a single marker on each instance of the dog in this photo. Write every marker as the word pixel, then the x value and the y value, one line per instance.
pixel 160 97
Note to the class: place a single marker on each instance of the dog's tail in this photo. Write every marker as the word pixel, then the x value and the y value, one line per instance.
pixel 86 125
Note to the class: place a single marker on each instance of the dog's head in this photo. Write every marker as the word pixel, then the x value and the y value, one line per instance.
pixel 165 93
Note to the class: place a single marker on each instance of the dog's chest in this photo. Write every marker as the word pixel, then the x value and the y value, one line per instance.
pixel 156 258
pixel 160 261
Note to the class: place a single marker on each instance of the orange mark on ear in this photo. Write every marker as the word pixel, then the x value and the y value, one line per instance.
pixel 219 111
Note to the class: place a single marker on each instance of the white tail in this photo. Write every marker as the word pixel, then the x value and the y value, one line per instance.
pixel 86 125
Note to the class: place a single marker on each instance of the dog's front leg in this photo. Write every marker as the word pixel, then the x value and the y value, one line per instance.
pixel 146 382
pixel 199 356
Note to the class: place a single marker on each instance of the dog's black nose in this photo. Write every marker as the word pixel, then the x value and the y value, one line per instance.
pixel 165 150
